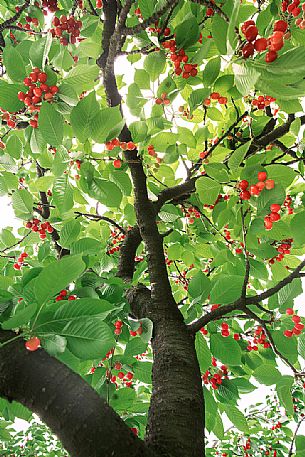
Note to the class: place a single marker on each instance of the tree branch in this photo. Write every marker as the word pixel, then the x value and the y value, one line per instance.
pixel 294 436
pixel 97 217
pixel 16 16
pixel 273 290
pixel 81 419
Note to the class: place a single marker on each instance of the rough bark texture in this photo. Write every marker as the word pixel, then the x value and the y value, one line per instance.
pixel 82 420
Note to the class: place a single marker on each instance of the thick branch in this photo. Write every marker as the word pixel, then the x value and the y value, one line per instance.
pixel 16 16
pixel 81 419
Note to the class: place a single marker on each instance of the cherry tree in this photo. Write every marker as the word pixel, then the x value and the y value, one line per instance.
pixel 153 155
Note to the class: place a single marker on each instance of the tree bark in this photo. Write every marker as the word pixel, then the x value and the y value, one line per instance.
pixel 83 421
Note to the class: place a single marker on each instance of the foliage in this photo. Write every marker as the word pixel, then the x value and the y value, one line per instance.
pixel 210 117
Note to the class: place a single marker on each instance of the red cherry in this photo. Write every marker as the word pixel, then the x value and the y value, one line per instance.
pixel 254 190
pixel 260 185
pixel 121 375
pixel 32 344
pixel 280 26
pixel 276 37
pixel 269 184
pixel 248 50
pixel 296 319
pixel 21 96
pixel 262 176
pixel 268 223
pixel 117 163
pixel 288 333
pixel 276 46
pixel 129 375
pixel 299 326
pixel 260 44
pixel 42 77
pixel 245 195
pixel 243 185
pixel 275 208
pixel 16 266
pixel 270 56
pixel 274 217
pixel 289 312
pixel 246 25
pixel 251 33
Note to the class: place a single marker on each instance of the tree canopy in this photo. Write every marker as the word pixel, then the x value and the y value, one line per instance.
pixel 153 155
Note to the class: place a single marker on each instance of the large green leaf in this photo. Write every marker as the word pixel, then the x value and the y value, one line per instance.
pixel 8 97
pixel 14 64
pixel 23 203
pixel 88 339
pixel 237 418
pixel 51 124
pixel 208 190
pixel 21 317
pixel 82 116
pixel 203 353
pixel 57 276
pixel 226 289
pixel 154 64
pixel 267 374
pixel 69 232
pixel 106 124
pixel 199 285
pixel 62 194
pixel 227 350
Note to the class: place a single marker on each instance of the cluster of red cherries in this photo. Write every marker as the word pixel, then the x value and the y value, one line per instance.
pixel 215 96
pixel 41 227
pixel 20 261
pixel 298 326
pixel 179 58
pixel 274 216
pixel 124 378
pixel 37 91
pixel 49 6
pixel 287 203
pixel 118 327
pixel 262 101
pixel 163 100
pixel 110 145
pixel 63 295
pixel 215 380
pixel 116 237
pixel 283 248
pixel 191 214
pixel 273 44
pixel 259 338
pixel 9 118
pixel 66 29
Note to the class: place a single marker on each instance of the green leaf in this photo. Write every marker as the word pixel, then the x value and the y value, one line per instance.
pixel 281 174
pixel 208 190
pixel 226 289
pixel 197 97
pixel 51 124
pixel 39 51
pixel 297 227
pixel 107 124
pixel 69 232
pixel 22 203
pixel 57 276
pixel 135 346
pixel 237 418
pixel 203 353
pixel 211 71
pixel 142 372
pixel 8 97
pixel 90 339
pixel 62 194
pixel 245 78
pixel 82 117
pixel 14 146
pixel 82 76
pixel 21 317
pixel 106 192
pixel 227 350
pixel 146 7
pixel 267 374
pixel 187 32
pixel 154 64
pixel 14 64
pixel 199 285
pixel 54 344
pixel 238 156
pixel 283 390
pixel 219 33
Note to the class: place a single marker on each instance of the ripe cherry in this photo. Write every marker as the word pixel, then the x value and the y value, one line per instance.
pixel 262 176
pixel 254 190
pixel 269 184
pixel 260 44
pixel 296 319
pixel 270 56
pixel 268 223
pixel 288 333
pixel 274 217
pixel 280 26
pixel 248 50
pixel 251 33
pixel 275 208
pixel 243 185
pixel 32 344
pixel 245 195
pixel 117 163
pixel 289 312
